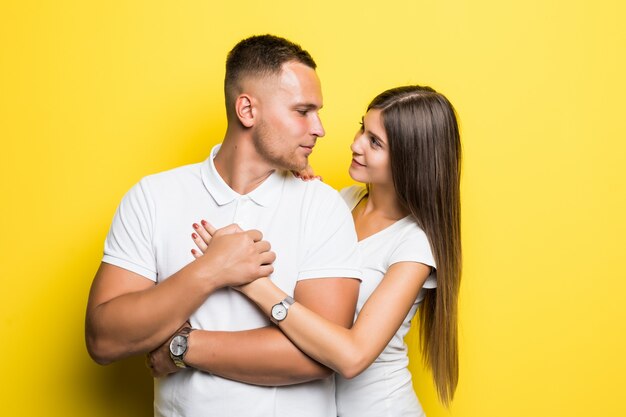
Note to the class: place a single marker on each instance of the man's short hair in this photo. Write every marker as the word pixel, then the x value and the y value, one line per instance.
pixel 260 56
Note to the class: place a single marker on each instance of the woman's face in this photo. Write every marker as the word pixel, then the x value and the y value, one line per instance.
pixel 370 151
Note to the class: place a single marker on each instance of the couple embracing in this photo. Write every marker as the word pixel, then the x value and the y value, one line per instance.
pixel 255 290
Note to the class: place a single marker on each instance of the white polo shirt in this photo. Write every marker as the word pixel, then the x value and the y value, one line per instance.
pixel 311 231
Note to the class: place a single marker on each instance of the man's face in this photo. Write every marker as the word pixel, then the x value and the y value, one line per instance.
pixel 288 117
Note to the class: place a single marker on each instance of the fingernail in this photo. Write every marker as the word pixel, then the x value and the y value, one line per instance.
pixel 193 251
pixel 203 222
pixel 195 226
pixel 193 235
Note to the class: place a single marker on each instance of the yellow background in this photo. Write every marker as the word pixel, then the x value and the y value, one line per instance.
pixel 95 95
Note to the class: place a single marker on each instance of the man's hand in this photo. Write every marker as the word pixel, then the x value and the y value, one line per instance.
pixel 128 314
pixel 232 256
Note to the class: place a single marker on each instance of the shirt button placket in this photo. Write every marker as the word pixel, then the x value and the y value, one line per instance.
pixel 236 211
pixel 240 212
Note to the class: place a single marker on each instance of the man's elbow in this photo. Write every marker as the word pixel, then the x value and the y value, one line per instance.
pixel 100 347
pixel 97 352
pixel 100 350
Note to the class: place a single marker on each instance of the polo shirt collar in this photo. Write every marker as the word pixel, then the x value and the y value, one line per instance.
pixel 266 194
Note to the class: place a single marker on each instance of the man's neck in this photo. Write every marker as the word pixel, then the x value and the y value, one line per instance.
pixel 240 166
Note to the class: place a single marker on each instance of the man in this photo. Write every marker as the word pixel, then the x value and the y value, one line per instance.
pixel 148 286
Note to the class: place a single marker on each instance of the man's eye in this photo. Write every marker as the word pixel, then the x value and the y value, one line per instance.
pixel 302 112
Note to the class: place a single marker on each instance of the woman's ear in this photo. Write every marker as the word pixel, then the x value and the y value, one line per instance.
pixel 245 110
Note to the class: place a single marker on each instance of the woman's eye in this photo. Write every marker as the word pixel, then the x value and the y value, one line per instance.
pixel 361 127
pixel 374 142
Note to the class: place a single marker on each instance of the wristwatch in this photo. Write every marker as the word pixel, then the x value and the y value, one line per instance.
pixel 279 311
pixel 179 345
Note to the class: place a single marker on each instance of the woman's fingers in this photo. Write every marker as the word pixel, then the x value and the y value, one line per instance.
pixel 203 230
pixel 208 227
pixel 202 237
pixel 199 241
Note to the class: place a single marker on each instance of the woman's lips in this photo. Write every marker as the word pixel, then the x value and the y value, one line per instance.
pixel 356 163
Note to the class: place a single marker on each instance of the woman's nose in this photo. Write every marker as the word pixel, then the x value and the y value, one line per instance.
pixel 355 147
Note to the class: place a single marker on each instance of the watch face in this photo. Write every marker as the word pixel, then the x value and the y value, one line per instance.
pixel 279 312
pixel 178 345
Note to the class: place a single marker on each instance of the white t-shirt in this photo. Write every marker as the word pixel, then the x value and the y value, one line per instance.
pixel 311 231
pixel 385 388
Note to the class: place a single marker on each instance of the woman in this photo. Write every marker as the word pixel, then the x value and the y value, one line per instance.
pixel 407 219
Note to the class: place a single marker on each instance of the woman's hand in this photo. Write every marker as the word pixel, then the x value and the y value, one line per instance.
pixel 202 238
pixel 307 174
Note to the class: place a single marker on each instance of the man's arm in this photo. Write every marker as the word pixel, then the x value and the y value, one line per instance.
pixel 127 314
pixel 266 356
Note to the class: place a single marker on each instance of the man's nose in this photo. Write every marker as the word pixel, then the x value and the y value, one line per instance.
pixel 317 129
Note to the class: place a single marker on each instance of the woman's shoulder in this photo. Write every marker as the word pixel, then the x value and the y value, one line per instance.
pixel 353 194
pixel 412 243
pixel 411 230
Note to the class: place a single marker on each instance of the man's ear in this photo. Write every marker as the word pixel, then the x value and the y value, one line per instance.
pixel 245 110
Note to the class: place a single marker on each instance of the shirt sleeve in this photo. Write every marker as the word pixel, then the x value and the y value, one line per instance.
pixel 331 243
pixel 414 247
pixel 129 241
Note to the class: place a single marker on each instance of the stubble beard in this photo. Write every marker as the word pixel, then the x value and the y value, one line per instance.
pixel 268 146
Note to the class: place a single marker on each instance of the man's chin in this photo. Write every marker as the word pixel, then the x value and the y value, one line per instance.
pixel 294 165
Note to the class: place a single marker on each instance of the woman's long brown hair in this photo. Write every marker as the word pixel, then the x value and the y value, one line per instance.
pixel 425 154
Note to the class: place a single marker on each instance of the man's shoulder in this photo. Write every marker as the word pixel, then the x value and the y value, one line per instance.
pixel 175 173
pixel 173 177
pixel 167 185
pixel 313 188
pixel 314 195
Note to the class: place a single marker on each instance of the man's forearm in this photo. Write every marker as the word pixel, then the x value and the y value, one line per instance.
pixel 261 356
pixel 127 314
pixel 141 318
pixel 266 356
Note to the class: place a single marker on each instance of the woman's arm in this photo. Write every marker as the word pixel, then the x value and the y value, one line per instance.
pixel 348 351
